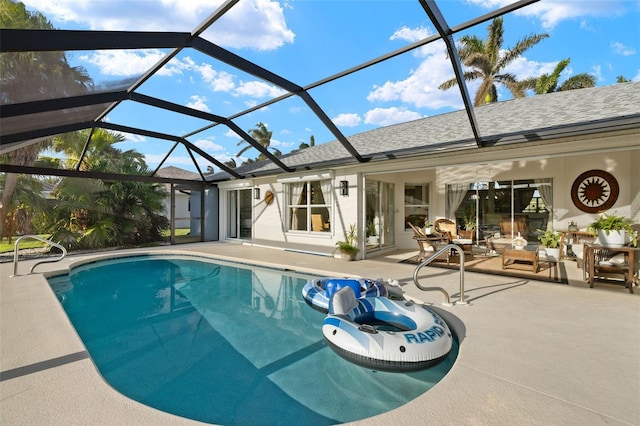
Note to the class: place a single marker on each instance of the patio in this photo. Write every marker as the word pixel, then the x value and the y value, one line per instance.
pixel 531 352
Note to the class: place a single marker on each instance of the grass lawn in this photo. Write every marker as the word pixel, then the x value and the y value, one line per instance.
pixel 27 243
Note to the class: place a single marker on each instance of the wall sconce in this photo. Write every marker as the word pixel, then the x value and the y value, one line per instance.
pixel 256 193
pixel 344 187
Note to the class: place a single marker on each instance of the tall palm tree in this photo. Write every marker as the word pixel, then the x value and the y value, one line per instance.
pixel 487 61
pixel 29 76
pixel 261 134
pixel 548 83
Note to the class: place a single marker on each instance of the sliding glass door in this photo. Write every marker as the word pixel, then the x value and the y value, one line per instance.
pixel 502 208
pixel 239 221
pixel 379 214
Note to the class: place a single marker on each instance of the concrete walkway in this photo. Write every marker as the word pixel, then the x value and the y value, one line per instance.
pixel 531 352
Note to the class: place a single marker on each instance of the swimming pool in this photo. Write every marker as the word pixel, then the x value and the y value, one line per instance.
pixel 223 343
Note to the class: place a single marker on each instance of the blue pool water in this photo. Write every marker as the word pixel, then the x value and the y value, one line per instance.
pixel 223 343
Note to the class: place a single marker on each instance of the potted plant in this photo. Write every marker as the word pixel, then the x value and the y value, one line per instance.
pixel 348 248
pixel 428 227
pixel 551 241
pixel 612 230
pixel 372 233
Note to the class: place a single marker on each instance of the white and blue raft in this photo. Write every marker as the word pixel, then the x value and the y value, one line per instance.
pixel 318 291
pixel 384 334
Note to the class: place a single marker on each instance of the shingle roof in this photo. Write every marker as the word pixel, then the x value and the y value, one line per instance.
pixel 539 117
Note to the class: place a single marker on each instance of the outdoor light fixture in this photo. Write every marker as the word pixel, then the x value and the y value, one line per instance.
pixel 344 187
pixel 256 193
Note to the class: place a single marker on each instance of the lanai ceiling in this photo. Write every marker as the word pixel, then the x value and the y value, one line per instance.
pixel 39 115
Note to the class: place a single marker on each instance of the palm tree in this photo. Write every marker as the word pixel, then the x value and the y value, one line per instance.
pixel 548 83
pixel 91 213
pixel 312 142
pixel 260 134
pixel 32 76
pixel 487 61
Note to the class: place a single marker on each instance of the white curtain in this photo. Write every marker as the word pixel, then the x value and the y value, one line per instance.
pixel 455 195
pixel 545 189
pixel 296 189
pixel 325 187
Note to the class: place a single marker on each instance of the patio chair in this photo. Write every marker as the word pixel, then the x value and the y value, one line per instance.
pixel 427 242
pixel 446 228
pixel 453 235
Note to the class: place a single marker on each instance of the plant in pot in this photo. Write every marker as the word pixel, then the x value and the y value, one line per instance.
pixel 612 230
pixel 428 227
pixel 372 233
pixel 551 241
pixel 348 248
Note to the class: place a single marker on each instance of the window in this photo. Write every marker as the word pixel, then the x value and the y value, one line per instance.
pixel 309 206
pixel 502 208
pixel 416 204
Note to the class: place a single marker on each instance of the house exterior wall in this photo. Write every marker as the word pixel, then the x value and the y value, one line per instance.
pixel 181 208
pixel 270 227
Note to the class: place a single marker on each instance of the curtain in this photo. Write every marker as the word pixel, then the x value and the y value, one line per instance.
pixel 296 189
pixel 325 187
pixel 455 195
pixel 545 189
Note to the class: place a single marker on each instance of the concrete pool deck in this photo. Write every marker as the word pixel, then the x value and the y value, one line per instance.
pixel 531 352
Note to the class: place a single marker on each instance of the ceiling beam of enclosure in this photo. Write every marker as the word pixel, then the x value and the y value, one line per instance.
pixel 17 40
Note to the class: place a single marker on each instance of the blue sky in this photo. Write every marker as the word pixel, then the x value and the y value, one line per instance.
pixel 306 41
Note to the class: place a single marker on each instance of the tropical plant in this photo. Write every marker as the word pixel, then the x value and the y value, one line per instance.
pixel 611 222
pixel 548 83
pixel 261 134
pixel 487 61
pixel 312 142
pixel 348 246
pixel 91 213
pixel 549 238
pixel 29 77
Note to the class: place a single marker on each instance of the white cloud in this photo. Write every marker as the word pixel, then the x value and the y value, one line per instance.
pixel 411 34
pixel 125 62
pixel 620 49
pixel 347 120
pixel 208 145
pixel 218 81
pixel 257 24
pixel 258 89
pixel 596 70
pixel 199 103
pixel 552 12
pixel 388 116
pixel 421 87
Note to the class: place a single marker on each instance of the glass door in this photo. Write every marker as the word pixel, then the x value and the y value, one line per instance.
pixel 379 213
pixel 239 221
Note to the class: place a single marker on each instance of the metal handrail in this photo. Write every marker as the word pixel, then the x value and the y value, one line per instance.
pixel 44 240
pixel 442 290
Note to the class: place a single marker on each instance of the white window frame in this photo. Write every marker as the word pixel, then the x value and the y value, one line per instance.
pixel 327 190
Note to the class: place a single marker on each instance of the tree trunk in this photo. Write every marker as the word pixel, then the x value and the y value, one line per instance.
pixel 9 188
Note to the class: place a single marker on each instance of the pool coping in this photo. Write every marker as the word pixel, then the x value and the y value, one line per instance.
pixel 574 360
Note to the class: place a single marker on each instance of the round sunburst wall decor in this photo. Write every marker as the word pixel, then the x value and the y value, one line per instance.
pixel 268 197
pixel 595 191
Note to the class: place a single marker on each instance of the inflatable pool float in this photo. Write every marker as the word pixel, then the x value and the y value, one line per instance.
pixel 384 334
pixel 318 291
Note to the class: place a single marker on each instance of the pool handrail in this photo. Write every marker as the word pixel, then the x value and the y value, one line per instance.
pixel 440 289
pixel 44 240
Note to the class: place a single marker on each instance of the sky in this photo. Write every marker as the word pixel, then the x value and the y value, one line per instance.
pixel 306 41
